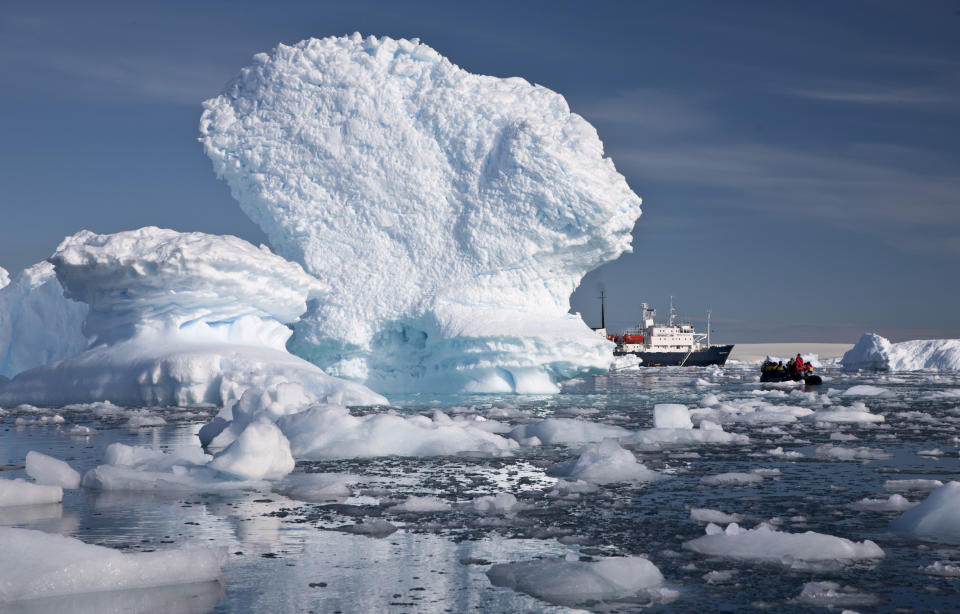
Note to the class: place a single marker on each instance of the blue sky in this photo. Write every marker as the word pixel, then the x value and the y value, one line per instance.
pixel 799 161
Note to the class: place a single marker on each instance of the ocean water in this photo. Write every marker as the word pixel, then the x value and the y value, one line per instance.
pixel 291 556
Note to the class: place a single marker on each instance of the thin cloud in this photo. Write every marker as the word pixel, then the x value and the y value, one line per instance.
pixel 928 98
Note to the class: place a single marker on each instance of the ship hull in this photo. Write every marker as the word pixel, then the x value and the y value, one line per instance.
pixel 713 355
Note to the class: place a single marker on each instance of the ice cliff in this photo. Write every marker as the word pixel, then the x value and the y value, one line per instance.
pixel 450 215
pixel 877 353
pixel 178 319
pixel 38 325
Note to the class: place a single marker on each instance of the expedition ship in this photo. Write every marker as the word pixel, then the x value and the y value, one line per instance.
pixel 666 345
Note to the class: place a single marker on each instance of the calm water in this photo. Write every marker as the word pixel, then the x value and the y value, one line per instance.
pixel 287 556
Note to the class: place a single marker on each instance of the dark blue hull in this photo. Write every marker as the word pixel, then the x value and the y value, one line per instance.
pixel 713 355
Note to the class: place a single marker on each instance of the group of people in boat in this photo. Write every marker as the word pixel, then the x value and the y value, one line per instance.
pixel 794 366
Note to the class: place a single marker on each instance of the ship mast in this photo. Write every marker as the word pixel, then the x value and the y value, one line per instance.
pixel 672 313
pixel 708 327
pixel 603 315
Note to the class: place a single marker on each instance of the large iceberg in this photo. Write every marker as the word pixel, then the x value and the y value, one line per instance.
pixel 178 319
pixel 38 325
pixel 874 352
pixel 451 215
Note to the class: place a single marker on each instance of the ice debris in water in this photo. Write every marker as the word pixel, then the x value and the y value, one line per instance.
pixel 450 214
pixel 873 352
pixel 764 543
pixel 604 463
pixel 567 430
pixel 178 319
pixel 671 416
pixel 732 479
pixel 832 595
pixel 36 564
pixel 22 492
pixel 51 471
pixel 831 452
pixel 942 568
pixel 421 505
pixel 569 582
pixel 715 516
pixel 894 503
pixel 921 485
pixel 936 519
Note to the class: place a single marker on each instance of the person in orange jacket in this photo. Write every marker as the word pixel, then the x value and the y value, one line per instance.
pixel 798 362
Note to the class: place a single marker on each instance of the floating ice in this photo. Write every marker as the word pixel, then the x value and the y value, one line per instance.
pixel 188 468
pixel 451 214
pixel 21 492
pixel 317 487
pixel 569 582
pixel 51 471
pixel 942 568
pixel 4 277
pixel 36 564
pixel 716 516
pixel 261 452
pixel 330 431
pixel 936 519
pixel 831 452
pixel 865 390
pixel 912 485
pixel 501 503
pixel 421 505
pixel 857 413
pixel 372 527
pixel 732 479
pixel 604 463
pixel 832 595
pixel 874 352
pixel 894 503
pixel 38 325
pixel 178 319
pixel 671 416
pixel 789 549
pixel 708 433
pixel 567 430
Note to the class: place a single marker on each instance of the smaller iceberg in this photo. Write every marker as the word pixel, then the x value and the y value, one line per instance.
pixel 873 352
pixel 178 319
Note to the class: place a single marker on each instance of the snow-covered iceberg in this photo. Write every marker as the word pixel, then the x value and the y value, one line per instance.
pixel 178 319
pixel 450 214
pixel 873 352
pixel 38 325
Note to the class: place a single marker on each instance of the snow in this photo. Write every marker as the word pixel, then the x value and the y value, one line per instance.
pixel 604 463
pixel 38 325
pixel 21 492
pixel 873 352
pixel 763 543
pixel 51 471
pixel 936 519
pixel 36 564
pixel 451 215
pixel 4 277
pixel 178 319
pixel 569 582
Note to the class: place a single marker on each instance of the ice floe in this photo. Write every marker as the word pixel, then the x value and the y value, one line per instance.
pixel 936 518
pixel 570 582
pixel 36 564
pixel 875 352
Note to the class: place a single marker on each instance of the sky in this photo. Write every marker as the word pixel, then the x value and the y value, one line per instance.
pixel 799 162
